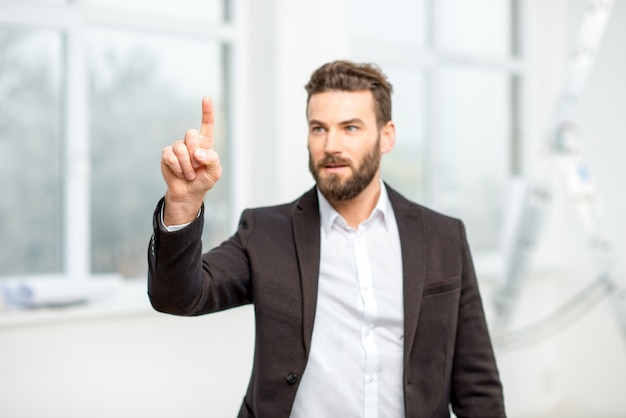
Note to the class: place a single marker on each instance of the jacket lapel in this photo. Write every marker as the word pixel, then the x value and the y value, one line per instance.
pixel 413 243
pixel 306 234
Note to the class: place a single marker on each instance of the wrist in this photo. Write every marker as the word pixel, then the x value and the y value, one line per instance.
pixel 178 211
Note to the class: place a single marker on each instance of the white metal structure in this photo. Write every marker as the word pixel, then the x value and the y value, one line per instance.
pixel 563 162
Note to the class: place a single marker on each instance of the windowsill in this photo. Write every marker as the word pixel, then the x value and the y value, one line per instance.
pixel 130 300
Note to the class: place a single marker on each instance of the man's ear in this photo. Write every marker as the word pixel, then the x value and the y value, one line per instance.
pixel 387 137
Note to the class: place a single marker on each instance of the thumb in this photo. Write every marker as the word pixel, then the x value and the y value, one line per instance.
pixel 200 155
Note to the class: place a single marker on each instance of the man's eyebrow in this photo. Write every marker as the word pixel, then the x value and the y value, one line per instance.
pixel 352 121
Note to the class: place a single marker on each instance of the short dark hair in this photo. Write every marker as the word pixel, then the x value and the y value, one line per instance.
pixel 349 76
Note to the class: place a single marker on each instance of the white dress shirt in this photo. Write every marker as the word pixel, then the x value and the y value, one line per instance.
pixel 355 366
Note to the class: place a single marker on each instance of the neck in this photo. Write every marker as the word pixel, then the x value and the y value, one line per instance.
pixel 358 209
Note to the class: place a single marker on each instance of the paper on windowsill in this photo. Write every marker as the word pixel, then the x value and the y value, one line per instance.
pixel 56 290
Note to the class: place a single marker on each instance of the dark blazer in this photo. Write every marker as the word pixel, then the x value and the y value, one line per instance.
pixel 273 262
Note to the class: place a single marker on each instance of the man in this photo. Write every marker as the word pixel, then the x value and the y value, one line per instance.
pixel 366 304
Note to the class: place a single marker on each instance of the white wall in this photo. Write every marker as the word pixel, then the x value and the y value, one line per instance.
pixel 88 362
pixel 147 364
pixel 287 47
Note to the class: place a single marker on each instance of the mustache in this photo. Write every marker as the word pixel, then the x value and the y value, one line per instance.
pixel 333 160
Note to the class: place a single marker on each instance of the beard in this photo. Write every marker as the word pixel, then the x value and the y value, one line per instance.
pixel 333 187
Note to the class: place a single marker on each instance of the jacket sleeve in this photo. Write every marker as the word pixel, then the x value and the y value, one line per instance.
pixel 183 281
pixel 476 388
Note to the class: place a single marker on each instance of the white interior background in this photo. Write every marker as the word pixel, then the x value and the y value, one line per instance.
pixel 118 358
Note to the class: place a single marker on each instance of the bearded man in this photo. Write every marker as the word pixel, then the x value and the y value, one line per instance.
pixel 366 304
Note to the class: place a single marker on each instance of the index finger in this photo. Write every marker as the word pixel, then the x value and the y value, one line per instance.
pixel 208 121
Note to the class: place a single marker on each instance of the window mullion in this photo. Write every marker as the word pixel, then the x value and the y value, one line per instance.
pixel 76 180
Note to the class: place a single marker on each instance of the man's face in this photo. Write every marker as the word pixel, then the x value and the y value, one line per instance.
pixel 345 144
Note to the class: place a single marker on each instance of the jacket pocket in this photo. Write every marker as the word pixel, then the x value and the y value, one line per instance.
pixel 442 286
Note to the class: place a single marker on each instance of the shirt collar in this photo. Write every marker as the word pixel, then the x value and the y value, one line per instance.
pixel 328 214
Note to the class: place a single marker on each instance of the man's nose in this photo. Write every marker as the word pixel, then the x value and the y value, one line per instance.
pixel 333 142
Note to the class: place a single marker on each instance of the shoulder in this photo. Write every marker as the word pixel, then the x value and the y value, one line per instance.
pixel 307 203
pixel 263 227
pixel 415 219
pixel 405 207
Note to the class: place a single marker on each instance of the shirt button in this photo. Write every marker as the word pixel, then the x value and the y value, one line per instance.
pixel 292 378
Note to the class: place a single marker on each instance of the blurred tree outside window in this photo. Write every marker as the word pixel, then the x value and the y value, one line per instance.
pixel 30 151
pixel 141 90
pixel 144 93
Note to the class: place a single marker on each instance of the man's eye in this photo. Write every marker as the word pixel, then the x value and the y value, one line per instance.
pixel 317 129
pixel 351 128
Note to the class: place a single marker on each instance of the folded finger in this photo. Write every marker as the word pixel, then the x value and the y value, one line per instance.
pixel 183 157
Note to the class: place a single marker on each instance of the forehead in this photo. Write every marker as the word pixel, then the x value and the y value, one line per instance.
pixel 338 106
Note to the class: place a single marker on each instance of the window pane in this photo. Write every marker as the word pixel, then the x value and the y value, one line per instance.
pixel 145 93
pixel 397 22
pixel 472 149
pixel 474 26
pixel 403 167
pixel 30 151
pixel 203 10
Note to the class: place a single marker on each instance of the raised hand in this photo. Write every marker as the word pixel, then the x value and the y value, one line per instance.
pixel 190 168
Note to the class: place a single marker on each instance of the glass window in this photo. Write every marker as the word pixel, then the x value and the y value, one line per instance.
pixel 141 92
pixel 454 146
pixel 481 27
pixel 472 150
pixel 145 92
pixel 30 151
pixel 404 167
pixel 203 10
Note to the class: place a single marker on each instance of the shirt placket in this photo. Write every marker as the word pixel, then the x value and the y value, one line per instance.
pixel 370 312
